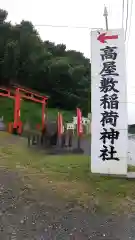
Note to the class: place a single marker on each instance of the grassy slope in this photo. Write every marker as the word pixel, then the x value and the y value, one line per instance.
pixel 29 111
pixel 67 176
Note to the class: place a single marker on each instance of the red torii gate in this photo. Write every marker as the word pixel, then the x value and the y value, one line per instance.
pixel 17 93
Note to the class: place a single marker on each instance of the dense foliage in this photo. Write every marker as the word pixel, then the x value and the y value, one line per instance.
pixel 62 74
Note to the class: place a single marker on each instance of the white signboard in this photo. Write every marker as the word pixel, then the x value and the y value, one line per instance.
pixel 109 144
pixel 84 120
pixel 75 120
pixel 70 126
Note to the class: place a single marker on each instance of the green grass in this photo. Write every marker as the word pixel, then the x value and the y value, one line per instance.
pixel 29 111
pixel 70 176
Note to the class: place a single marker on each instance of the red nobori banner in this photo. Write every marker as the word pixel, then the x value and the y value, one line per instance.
pixel 60 124
pixel 79 122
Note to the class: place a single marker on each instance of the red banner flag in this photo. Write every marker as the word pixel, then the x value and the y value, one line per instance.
pixel 60 124
pixel 79 122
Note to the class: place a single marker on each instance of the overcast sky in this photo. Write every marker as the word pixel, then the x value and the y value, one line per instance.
pixel 85 13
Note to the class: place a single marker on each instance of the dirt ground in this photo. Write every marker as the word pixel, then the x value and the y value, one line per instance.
pixel 26 214
pixel 31 214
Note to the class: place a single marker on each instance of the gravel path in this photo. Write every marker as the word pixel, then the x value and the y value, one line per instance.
pixel 26 214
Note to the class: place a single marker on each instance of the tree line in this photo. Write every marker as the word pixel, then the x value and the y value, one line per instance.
pixel 25 59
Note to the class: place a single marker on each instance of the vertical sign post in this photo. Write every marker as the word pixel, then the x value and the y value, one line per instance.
pixel 60 124
pixel 79 127
pixel 79 122
pixel 109 126
pixel 60 128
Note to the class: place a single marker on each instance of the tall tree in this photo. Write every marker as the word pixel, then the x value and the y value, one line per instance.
pixel 44 66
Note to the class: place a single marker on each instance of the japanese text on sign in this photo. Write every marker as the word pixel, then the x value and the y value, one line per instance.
pixel 109 102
